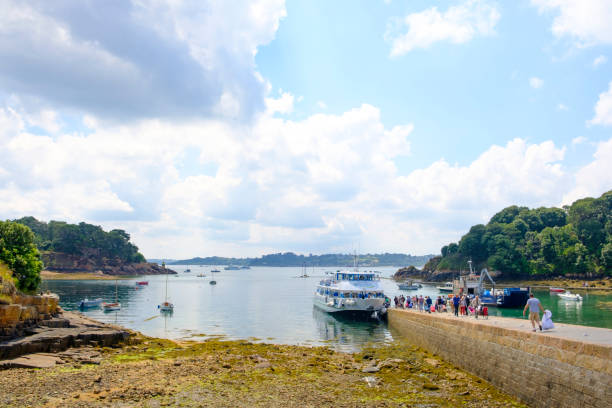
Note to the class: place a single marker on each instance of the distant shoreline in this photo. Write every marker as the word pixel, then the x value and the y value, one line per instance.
pixel 48 275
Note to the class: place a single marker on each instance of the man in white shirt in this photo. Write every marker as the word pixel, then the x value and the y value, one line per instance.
pixel 534 306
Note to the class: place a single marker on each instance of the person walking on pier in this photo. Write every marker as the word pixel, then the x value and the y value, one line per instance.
pixel 535 307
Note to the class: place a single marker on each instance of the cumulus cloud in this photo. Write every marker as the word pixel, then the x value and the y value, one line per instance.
pixel 579 140
pixel 595 178
pixel 586 22
pixel 535 82
pixel 282 104
pixel 562 107
pixel 603 108
pixel 458 24
pixel 137 59
pixel 311 185
pixel 602 59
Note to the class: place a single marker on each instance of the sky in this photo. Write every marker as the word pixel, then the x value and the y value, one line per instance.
pixel 249 127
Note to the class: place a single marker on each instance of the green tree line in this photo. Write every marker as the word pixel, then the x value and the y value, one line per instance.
pixel 575 240
pixel 82 239
pixel 19 253
pixel 324 260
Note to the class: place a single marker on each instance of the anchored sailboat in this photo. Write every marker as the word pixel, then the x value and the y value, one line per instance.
pixel 109 307
pixel 166 306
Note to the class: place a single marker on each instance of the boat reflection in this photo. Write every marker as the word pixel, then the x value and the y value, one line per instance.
pixel 345 333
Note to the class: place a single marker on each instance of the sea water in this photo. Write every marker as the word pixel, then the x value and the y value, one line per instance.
pixel 271 304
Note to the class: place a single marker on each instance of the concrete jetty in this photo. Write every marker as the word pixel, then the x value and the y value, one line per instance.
pixel 569 366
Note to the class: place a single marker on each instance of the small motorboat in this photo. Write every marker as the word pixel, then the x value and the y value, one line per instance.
pixel 86 303
pixel 448 287
pixel 215 271
pixel 557 290
pixel 187 270
pixel 570 296
pixel 201 275
pixel 142 283
pixel 213 282
pixel 409 285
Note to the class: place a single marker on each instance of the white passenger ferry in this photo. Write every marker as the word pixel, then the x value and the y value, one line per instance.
pixel 351 292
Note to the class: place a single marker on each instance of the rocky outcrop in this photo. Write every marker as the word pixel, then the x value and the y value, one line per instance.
pixel 68 263
pixel 409 272
pixel 58 334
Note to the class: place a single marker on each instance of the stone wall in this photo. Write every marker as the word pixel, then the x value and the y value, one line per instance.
pixel 542 371
pixel 25 312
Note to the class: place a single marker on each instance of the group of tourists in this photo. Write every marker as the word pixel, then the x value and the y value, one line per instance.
pixel 460 305
pixel 463 305
pixel 421 303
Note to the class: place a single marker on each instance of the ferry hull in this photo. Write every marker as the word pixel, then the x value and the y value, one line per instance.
pixel 359 307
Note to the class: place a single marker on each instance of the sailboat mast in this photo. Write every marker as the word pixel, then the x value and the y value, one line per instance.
pixel 166 292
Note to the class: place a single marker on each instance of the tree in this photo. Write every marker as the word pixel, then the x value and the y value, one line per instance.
pixel 19 253
pixel 606 257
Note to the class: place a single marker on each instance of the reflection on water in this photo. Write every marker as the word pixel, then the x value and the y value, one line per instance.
pixel 345 331
pixel 270 304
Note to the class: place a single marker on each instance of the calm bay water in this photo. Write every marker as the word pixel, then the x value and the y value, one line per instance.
pixel 270 304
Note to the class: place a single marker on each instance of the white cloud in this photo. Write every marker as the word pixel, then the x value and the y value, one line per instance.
pixel 595 178
pixel 282 104
pixel 312 185
pixel 603 109
pixel 602 59
pixel 562 107
pixel 458 24
pixel 579 140
pixel 536 82
pixel 140 58
pixel 587 22
pixel 321 105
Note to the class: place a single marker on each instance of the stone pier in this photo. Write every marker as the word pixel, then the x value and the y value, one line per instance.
pixel 569 366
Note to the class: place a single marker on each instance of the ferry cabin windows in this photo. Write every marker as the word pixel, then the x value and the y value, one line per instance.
pixel 354 277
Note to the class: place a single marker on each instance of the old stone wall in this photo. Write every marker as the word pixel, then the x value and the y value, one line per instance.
pixel 25 312
pixel 19 312
pixel 542 371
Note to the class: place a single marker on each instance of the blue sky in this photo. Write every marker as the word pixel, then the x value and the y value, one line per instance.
pixel 461 97
pixel 249 127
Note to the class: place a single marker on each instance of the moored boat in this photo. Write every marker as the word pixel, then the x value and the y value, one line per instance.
pixel 351 292
pixel 557 290
pixel 448 287
pixel 215 270
pixel 231 268
pixel 513 297
pixel 213 282
pixel 86 303
pixel 110 307
pixel 409 285
pixel 570 296
pixel 166 306
pixel 142 283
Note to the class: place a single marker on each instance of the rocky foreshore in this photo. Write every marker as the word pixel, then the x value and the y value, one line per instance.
pixel 57 334
pixel 157 372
